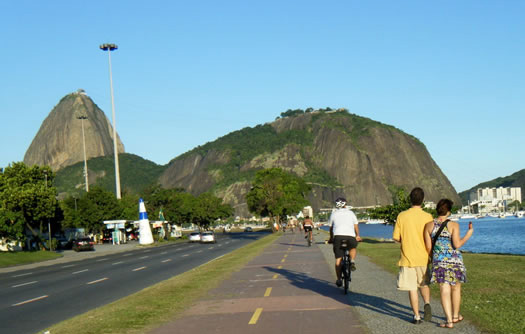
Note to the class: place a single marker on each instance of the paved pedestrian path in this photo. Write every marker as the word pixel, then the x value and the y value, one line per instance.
pixel 290 288
pixel 286 289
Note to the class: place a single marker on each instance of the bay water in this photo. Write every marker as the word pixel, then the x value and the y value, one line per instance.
pixel 491 235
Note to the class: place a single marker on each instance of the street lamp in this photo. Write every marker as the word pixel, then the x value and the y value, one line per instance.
pixel 82 118
pixel 109 48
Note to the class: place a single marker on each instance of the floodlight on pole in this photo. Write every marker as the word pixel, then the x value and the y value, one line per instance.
pixel 82 118
pixel 109 48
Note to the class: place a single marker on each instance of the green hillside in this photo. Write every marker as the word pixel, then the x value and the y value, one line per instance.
pixel 136 174
pixel 515 180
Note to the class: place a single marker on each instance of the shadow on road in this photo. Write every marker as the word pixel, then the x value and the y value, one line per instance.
pixel 328 289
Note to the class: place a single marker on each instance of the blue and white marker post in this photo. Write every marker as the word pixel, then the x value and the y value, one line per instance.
pixel 146 237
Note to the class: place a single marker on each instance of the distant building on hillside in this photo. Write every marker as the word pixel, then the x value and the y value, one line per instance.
pixel 509 194
pixel 486 200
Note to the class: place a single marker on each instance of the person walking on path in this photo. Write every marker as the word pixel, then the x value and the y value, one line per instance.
pixel 343 226
pixel 408 230
pixel 447 262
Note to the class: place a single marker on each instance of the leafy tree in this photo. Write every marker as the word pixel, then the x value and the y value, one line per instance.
pixel 11 225
pixel 275 193
pixel 92 209
pixel 389 213
pixel 27 199
pixel 208 209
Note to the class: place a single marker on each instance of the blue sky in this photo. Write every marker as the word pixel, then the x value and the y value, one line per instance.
pixel 451 73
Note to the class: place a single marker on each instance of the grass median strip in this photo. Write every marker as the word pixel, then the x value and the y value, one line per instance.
pixel 163 302
pixel 493 295
pixel 8 259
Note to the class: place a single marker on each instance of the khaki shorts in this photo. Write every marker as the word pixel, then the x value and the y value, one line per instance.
pixel 411 278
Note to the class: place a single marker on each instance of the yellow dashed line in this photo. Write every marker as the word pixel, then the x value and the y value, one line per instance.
pixel 280 267
pixel 285 256
pixel 282 261
pixel 255 316
pixel 275 276
pixel 268 291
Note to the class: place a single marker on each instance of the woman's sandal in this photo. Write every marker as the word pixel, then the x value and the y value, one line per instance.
pixel 446 325
pixel 457 319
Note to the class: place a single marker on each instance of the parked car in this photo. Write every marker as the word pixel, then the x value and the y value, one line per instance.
pixel 64 243
pixel 248 229
pixel 107 237
pixel 83 244
pixel 195 237
pixel 208 236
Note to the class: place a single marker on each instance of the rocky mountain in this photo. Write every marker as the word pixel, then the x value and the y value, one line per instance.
pixel 58 142
pixel 338 153
pixel 515 180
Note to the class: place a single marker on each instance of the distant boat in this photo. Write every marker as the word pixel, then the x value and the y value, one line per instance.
pixel 468 216
pixel 375 221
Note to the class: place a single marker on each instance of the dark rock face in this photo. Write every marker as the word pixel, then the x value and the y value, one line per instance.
pixel 360 159
pixel 58 142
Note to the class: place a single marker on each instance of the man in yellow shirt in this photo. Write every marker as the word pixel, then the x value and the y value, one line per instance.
pixel 414 257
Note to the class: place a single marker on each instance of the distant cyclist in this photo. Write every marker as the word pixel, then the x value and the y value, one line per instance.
pixel 308 228
pixel 343 226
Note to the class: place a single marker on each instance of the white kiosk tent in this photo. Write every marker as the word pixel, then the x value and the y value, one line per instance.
pixel 119 230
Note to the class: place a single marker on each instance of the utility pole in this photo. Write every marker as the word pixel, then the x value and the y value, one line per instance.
pixel 109 48
pixel 82 118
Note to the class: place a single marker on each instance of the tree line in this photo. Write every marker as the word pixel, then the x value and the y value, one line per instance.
pixel 29 206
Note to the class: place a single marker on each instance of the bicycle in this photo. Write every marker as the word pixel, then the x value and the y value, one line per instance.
pixel 308 236
pixel 346 272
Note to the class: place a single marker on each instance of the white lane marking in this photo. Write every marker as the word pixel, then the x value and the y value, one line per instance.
pixel 30 300
pixel 199 251
pixel 117 262
pixel 163 253
pixel 68 266
pixel 80 271
pixel 186 255
pixel 147 251
pixel 143 257
pixel 210 247
pixel 97 281
pixel 168 260
pixel 16 286
pixel 137 269
pixel 129 254
pixel 101 260
pixel 22 275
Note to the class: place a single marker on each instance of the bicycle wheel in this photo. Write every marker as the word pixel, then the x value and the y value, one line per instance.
pixel 345 280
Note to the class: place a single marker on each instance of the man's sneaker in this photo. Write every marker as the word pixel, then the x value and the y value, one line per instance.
pixel 338 283
pixel 352 266
pixel 417 320
pixel 428 313
pixel 306 236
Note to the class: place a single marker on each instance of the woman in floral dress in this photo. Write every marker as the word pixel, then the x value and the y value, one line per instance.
pixel 447 263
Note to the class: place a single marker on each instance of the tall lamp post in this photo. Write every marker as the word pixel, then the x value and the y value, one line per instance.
pixel 109 48
pixel 82 118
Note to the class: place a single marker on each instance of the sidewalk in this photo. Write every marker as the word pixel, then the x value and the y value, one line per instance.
pixel 290 288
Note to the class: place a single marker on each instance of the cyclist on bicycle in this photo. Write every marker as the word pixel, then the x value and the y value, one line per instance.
pixel 308 228
pixel 343 226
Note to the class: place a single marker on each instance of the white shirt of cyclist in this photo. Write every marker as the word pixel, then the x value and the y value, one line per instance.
pixel 343 221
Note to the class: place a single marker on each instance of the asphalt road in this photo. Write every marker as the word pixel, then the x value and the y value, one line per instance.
pixel 36 298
